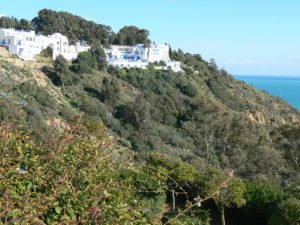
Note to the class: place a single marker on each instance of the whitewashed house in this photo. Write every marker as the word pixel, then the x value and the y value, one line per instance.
pixel 26 44
pixel 140 56
pixel 153 53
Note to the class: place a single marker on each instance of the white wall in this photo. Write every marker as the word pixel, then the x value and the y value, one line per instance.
pixel 152 54
pixel 128 64
pixel 26 44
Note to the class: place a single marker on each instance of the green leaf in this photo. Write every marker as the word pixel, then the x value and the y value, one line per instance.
pixel 58 210
pixel 20 150
pixel 71 213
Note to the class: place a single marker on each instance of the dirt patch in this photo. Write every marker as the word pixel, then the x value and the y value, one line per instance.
pixel 31 70
pixel 257 117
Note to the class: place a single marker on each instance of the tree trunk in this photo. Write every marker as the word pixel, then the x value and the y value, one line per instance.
pixel 148 53
pixel 222 214
pixel 173 200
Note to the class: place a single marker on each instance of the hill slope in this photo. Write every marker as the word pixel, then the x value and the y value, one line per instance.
pixel 205 118
pixel 157 134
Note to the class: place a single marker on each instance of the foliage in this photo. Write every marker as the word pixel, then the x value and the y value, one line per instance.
pixel 193 217
pixel 200 122
pixel 84 188
pixel 78 29
pixel 287 139
pixel 150 190
pixel 74 27
pixel 100 58
pixel 196 116
pixel 84 63
pixel 110 91
pixel 131 35
pixel 288 213
pixel 226 193
pixel 47 52
pixel 135 113
pixel 22 24
pixel 263 197
pixel 60 74
pixel 179 171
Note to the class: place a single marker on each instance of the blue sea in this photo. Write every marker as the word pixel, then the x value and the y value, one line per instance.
pixel 288 88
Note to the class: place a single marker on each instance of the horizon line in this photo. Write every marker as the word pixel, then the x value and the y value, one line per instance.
pixel 268 75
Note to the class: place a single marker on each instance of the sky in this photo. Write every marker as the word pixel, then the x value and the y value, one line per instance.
pixel 257 37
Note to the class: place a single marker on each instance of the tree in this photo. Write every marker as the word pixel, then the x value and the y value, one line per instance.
pixel 288 213
pixel 135 113
pixel 60 64
pixel 262 197
pixel 6 22
pixel 226 192
pixel 24 25
pixel 47 52
pixel 60 74
pixel 84 63
pixel 110 90
pixel 131 35
pixel 212 65
pixel 74 27
pixel 100 57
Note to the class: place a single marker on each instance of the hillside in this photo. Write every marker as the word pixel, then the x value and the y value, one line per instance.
pixel 28 97
pixel 205 118
pixel 198 117
pixel 165 132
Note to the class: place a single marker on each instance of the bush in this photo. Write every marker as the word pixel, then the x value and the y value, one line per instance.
pixel 69 180
pixel 187 89
pixel 100 57
pixel 288 213
pixel 85 63
pixel 263 197
pixel 47 52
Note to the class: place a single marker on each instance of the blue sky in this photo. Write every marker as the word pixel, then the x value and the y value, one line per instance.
pixel 245 37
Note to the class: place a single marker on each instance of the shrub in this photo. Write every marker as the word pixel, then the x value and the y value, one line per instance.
pixel 69 180
pixel 288 213
pixel 47 52
pixel 85 63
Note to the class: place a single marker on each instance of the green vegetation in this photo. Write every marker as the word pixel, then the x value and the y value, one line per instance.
pixel 131 35
pixel 151 147
pixel 47 52
pixel 78 29
pixel 74 27
pixel 22 24
pixel 84 188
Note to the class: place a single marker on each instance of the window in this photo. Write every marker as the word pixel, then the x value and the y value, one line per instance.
pixel 8 41
pixel 3 41
pixel 19 42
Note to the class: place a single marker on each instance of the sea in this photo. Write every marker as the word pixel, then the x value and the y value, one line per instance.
pixel 288 88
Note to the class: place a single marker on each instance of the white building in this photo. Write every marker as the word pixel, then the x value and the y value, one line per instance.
pixel 129 64
pixel 26 44
pixel 140 56
pixel 154 53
